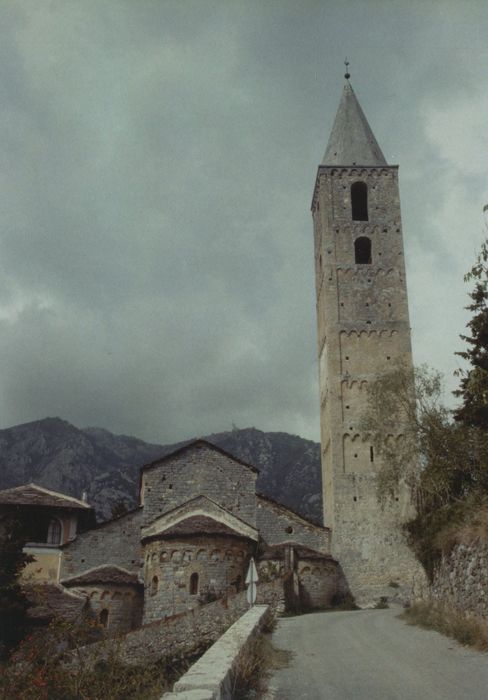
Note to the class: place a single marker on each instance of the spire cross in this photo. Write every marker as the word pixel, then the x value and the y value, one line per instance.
pixel 347 75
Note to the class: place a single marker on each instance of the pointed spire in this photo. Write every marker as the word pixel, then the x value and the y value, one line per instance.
pixel 351 140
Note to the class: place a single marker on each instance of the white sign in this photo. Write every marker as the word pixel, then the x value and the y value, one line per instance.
pixel 251 581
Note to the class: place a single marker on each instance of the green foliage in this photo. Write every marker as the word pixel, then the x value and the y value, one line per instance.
pixel 13 601
pixel 474 381
pixel 443 462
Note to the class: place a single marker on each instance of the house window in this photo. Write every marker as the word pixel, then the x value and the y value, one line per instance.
pixel 154 585
pixel 362 250
pixel 194 584
pixel 359 201
pixel 103 617
pixel 54 531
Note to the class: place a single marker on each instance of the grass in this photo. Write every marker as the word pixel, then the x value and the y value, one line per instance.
pixel 256 664
pixel 467 630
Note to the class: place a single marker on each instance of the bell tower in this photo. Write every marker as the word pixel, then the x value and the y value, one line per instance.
pixel 363 333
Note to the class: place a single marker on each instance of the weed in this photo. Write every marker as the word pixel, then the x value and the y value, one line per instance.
pixel 255 664
pixel 382 603
pixel 450 621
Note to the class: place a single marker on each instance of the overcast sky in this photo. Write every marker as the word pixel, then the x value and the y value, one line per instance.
pixel 157 162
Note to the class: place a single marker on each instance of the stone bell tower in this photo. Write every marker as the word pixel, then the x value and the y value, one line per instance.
pixel 363 332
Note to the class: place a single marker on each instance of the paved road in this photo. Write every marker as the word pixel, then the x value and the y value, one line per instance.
pixel 372 655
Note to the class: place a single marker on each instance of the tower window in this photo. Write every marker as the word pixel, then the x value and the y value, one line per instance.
pixel 194 584
pixel 362 250
pixel 359 201
pixel 371 454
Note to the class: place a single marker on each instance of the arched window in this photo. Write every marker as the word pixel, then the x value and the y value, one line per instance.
pixel 362 251
pixel 194 584
pixel 154 585
pixel 103 617
pixel 54 531
pixel 359 201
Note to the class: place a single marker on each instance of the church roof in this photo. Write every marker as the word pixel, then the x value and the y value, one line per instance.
pixel 51 600
pixel 351 141
pixel 197 444
pixel 277 551
pixel 200 525
pixel 103 574
pixel 33 495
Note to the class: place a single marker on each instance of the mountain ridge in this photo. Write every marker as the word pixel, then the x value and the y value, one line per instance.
pixel 57 455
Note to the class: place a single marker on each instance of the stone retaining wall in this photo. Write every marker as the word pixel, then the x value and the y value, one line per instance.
pixel 461 579
pixel 212 676
pixel 182 634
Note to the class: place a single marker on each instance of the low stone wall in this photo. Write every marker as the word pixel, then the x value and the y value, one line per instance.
pixel 182 634
pixel 461 579
pixel 212 676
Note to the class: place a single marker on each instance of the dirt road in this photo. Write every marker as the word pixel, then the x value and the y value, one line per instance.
pixel 372 655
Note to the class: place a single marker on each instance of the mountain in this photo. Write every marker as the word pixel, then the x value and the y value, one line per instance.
pixel 57 455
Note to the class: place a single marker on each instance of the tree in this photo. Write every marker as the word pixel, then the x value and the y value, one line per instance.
pixel 474 381
pixel 418 442
pixel 13 601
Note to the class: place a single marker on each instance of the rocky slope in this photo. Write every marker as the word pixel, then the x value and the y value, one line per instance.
pixel 57 455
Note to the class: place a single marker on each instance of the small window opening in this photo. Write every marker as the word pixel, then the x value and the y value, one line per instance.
pixel 194 584
pixel 355 456
pixel 154 585
pixel 362 250
pixel 103 617
pixel 359 201
pixel 371 453
pixel 354 498
pixel 388 357
pixel 54 532
pixel 289 530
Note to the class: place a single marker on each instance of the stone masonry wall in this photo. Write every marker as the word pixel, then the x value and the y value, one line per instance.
pixel 461 579
pixel 277 524
pixel 122 603
pixel 181 634
pixel 116 542
pixel 218 564
pixel 194 472
pixel 318 582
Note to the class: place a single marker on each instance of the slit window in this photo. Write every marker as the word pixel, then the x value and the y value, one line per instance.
pixel 194 584
pixel 362 250
pixel 154 585
pixel 103 617
pixel 371 453
pixel 359 201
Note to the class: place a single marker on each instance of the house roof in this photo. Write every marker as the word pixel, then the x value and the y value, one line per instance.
pixel 351 141
pixel 34 495
pixel 51 600
pixel 103 574
pixel 196 444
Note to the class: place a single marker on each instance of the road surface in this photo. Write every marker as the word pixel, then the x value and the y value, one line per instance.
pixel 373 655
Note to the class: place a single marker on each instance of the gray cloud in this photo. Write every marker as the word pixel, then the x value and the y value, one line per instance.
pixel 157 166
